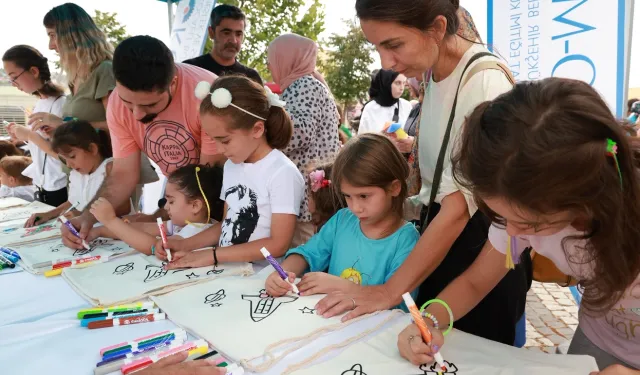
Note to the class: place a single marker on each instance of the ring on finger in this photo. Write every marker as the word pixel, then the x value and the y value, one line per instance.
pixel 354 303
pixel 411 338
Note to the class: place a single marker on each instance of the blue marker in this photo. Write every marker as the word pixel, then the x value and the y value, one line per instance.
pixel 10 257
pixel 10 252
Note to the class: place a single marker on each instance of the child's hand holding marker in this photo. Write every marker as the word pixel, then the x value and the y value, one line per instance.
pixel 420 343
pixel 277 287
pixel 324 283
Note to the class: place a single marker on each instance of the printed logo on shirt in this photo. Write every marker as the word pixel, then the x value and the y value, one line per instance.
pixel 170 145
pixel 242 217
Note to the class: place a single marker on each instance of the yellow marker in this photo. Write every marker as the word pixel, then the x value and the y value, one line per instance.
pixel 200 350
pixel 52 273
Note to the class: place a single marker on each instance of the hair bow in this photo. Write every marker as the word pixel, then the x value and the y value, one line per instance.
pixel 318 180
pixel 274 99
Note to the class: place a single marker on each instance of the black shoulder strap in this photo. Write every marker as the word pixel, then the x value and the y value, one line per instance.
pixel 437 176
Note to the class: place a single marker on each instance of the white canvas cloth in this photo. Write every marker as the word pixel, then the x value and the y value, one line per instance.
pixel 51 251
pixel 237 318
pixel 137 276
pixel 15 236
pixel 464 354
pixel 23 212
pixel 12 202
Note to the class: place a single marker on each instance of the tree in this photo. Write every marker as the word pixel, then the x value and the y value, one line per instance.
pixel 268 19
pixel 109 25
pixel 346 67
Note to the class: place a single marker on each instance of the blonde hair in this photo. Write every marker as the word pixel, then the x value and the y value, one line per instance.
pixel 81 44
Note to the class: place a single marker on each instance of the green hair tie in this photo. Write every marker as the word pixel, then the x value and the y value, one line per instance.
pixel 612 150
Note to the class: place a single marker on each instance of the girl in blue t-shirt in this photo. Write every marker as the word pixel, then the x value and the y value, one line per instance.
pixel 365 243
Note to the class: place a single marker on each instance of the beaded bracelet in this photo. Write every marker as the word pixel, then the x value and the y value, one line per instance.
pixel 432 317
pixel 443 303
pixel 153 250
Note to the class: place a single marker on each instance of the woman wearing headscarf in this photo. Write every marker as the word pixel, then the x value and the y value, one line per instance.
pixel 386 104
pixel 292 62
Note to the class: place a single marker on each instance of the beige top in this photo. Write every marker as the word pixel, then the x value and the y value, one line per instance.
pixel 86 103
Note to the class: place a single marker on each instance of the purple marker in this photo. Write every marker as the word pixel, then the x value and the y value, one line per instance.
pixel 278 269
pixel 73 230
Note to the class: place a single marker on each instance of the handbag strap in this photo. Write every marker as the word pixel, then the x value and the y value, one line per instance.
pixel 396 113
pixel 437 176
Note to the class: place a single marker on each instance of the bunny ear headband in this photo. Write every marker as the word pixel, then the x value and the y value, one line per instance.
pixel 221 98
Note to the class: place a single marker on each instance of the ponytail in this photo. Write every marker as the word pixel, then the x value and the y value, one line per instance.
pixel 279 128
pixel 27 57
pixel 81 134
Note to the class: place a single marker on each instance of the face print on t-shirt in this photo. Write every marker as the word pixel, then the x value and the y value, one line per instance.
pixel 170 145
pixel 242 215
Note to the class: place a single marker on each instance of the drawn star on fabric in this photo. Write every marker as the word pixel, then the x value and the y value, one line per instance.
pixel 307 310
pixel 192 275
pixel 216 305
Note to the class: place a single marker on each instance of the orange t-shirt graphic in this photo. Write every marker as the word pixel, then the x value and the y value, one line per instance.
pixel 174 138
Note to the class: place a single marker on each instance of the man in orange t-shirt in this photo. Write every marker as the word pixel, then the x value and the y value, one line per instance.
pixel 153 109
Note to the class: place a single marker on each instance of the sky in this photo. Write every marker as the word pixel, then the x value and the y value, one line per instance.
pixel 150 17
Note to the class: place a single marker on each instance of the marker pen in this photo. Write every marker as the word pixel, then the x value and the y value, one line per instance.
pixel 73 230
pixel 126 321
pixel 10 252
pixel 163 235
pixel 422 326
pixel 278 268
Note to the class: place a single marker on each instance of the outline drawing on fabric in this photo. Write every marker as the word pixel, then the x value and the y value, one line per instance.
pixel 192 275
pixel 123 268
pixel 92 246
pixel 307 310
pixel 354 370
pixel 39 229
pixel 265 305
pixel 160 272
pixel 215 271
pixel 435 369
pixel 214 298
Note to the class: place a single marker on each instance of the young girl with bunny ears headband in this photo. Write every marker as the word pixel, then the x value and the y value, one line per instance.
pixel 262 188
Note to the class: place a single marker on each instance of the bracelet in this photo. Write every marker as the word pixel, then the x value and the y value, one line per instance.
pixel 215 257
pixel 443 303
pixel 433 319
pixel 153 250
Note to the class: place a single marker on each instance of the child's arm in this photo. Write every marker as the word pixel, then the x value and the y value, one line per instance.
pixel 294 265
pixel 42 217
pixel 207 238
pixel 117 228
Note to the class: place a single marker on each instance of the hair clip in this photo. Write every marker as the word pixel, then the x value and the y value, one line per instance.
pixel 612 150
pixel 220 98
pixel 274 99
pixel 318 180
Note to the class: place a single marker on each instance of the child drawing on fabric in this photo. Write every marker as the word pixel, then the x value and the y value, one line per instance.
pixel 262 189
pixel 193 205
pixel 323 200
pixel 14 184
pixel 365 243
pixel 87 152
pixel 553 169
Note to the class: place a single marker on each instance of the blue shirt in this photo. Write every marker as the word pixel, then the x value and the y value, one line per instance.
pixel 341 248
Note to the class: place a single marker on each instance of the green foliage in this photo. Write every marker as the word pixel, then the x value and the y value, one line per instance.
pixel 108 23
pixel 346 66
pixel 268 19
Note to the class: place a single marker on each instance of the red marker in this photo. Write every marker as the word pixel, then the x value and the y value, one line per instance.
pixel 75 262
pixel 163 235
pixel 126 321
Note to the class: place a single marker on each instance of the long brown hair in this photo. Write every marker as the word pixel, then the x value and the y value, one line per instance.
pixel 543 147
pixel 27 57
pixel 251 97
pixel 371 160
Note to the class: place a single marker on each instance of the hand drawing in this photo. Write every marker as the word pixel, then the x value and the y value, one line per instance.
pixel 123 268
pixel 265 305
pixel 215 271
pixel 435 369
pixel 214 298
pixel 39 229
pixel 307 310
pixel 192 275
pixel 354 370
pixel 154 272
pixel 92 246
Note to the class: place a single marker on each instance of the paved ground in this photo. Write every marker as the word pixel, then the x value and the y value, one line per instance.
pixel 552 317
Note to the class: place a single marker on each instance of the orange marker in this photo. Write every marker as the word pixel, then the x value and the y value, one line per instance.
pixel 422 326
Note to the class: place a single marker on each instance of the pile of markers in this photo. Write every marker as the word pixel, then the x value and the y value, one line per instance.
pixel 8 258
pixel 135 355
pixel 143 312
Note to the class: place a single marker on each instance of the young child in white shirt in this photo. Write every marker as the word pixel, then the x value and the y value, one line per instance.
pixel 193 205
pixel 14 184
pixel 262 188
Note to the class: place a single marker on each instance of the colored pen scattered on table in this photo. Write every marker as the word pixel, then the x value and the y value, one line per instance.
pixel 131 306
pixel 73 230
pixel 146 361
pixel 156 342
pixel 10 252
pixel 422 326
pixel 114 364
pixel 117 315
pixel 138 340
pixel 278 268
pixel 6 261
pixel 126 321
pixel 163 235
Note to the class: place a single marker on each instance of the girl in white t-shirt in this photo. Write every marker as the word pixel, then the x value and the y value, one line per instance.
pixel 554 170
pixel 262 188
pixel 87 152
pixel 29 72
pixel 193 205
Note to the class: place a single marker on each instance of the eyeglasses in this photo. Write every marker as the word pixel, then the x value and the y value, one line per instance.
pixel 18 76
